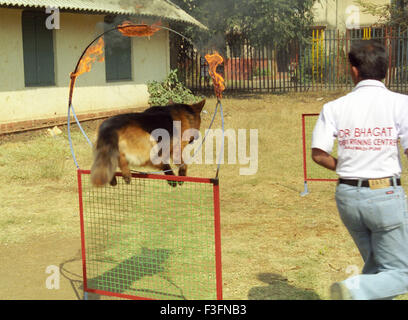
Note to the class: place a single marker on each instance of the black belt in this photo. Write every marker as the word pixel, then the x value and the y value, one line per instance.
pixel 365 183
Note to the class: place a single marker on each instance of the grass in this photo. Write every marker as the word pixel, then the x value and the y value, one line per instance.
pixel 39 191
pixel 275 243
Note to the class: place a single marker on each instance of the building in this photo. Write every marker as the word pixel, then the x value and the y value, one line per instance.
pixel 343 14
pixel 40 47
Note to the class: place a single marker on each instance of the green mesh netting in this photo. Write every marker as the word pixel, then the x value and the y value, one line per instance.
pixel 150 240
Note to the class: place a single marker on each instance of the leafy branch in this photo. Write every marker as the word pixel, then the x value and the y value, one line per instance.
pixel 393 14
pixel 170 90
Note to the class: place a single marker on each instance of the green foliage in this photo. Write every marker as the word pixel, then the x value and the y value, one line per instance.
pixel 321 71
pixel 261 72
pixel 260 20
pixel 393 14
pixel 170 90
pixel 278 20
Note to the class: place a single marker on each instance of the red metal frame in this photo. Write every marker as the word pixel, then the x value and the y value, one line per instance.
pixel 217 229
pixel 117 295
pixel 159 177
pixel 304 149
pixel 81 216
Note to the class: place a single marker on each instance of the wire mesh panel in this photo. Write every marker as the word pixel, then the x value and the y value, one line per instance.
pixel 150 240
pixel 311 170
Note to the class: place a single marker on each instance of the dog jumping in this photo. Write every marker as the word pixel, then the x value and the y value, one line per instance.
pixel 127 140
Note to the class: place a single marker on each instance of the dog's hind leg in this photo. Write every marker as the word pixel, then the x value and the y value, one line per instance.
pixel 182 172
pixel 113 182
pixel 124 167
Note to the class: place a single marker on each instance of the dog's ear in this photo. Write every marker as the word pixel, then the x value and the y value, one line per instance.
pixel 198 107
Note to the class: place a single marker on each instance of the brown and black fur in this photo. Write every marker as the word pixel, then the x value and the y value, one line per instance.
pixel 127 137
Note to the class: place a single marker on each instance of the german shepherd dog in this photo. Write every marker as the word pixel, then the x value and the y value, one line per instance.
pixel 126 139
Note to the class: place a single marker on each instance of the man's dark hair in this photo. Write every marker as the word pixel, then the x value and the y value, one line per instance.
pixel 370 58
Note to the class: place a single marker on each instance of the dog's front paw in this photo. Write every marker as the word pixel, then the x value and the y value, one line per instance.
pixel 172 183
pixel 127 179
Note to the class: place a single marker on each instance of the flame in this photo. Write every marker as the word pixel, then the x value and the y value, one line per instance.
pixel 93 54
pixel 130 29
pixel 218 81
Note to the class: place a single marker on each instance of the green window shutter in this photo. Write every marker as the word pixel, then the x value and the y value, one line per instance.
pixel 118 56
pixel 38 48
pixel 45 55
pixel 29 49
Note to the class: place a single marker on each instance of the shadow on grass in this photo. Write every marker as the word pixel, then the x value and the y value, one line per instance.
pixel 75 279
pixel 120 278
pixel 278 288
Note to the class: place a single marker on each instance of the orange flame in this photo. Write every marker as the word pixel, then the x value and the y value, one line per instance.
pixel 218 81
pixel 93 54
pixel 130 29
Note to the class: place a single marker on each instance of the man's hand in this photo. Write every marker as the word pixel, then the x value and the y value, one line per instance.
pixel 325 160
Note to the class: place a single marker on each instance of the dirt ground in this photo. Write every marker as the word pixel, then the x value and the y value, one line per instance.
pixel 276 245
pixel 38 234
pixel 26 277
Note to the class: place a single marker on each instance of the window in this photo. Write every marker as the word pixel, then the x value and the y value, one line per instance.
pixel 38 50
pixel 118 53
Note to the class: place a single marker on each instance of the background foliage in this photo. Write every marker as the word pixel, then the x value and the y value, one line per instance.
pixel 170 90
pixel 394 14
pixel 278 20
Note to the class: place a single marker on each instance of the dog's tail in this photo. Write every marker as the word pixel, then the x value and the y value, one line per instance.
pixel 106 155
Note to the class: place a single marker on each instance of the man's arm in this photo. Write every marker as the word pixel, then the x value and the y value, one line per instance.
pixel 324 159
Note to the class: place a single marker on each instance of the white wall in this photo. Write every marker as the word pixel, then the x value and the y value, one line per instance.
pixel 333 13
pixel 11 51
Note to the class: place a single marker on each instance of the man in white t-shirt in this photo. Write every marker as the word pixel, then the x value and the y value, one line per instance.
pixel 368 122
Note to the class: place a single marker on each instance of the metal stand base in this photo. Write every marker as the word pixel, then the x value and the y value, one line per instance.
pixel 305 191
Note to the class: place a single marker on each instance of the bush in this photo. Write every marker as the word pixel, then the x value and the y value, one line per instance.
pixel 171 90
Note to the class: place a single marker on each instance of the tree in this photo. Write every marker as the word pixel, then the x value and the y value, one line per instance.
pixel 217 15
pixel 394 14
pixel 279 21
